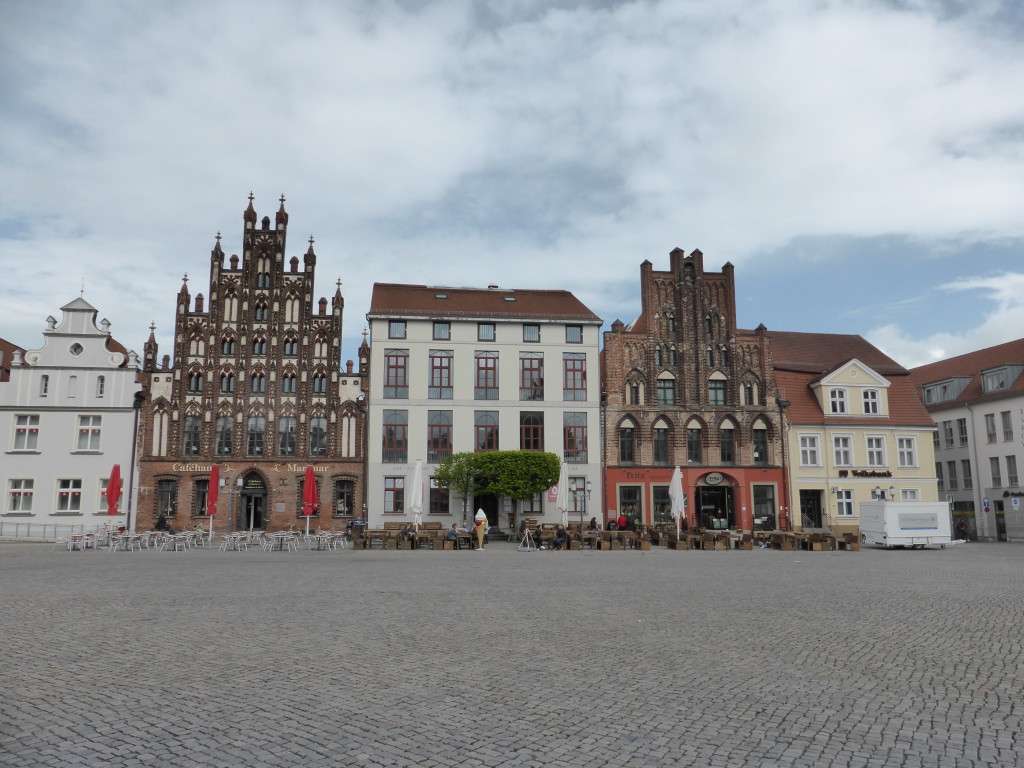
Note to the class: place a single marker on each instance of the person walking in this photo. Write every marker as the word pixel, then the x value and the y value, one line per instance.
pixel 480 525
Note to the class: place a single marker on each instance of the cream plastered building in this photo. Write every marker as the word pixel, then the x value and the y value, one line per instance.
pixel 855 429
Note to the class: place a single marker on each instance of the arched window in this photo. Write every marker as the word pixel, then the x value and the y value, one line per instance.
pixel 320 384
pixel 660 443
pixel 666 389
pixel 227 383
pixel 760 445
pixel 227 346
pixel 627 442
pixel 288 384
pixel 258 384
pixel 716 389
pixel 694 454
pixel 259 346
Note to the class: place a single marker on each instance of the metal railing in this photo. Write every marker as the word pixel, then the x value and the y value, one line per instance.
pixel 19 529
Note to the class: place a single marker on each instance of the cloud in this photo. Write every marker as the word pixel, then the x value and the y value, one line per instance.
pixel 533 144
pixel 1002 296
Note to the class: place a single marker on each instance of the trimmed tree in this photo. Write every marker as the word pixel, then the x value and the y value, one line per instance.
pixel 518 475
pixel 459 473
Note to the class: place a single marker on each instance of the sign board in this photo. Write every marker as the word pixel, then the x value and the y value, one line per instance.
pixel 713 478
pixel 918 521
pixel 1015 502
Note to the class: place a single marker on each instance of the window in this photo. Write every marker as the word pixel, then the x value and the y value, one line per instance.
pixel 531 376
pixel 662 505
pixel 258 383
pixel 227 383
pixel 634 393
pixel 659 444
pixel 709 357
pixel 951 475
pixel 440 373
pixel 440 500
pixel 837 400
pixel 672 357
pixel 574 377
pixel 260 313
pixel 723 357
pixel 748 393
pixel 938 474
pixel 396 373
pixel 318 436
pixel 657 356
pixel 190 436
pixel 726 441
pixel 531 431
pixel 1011 471
pixel 936 445
pixel 19 495
pixel 201 490
pixel 224 428
pixel 288 384
pixel 44 385
pixel 693 445
pixel 908 494
pixel 442 330
pixel 485 385
pixel 101 385
pixel 262 279
pixel 319 384
pixel 394 495
pixel 627 438
pixel 965 466
pixel 69 495
pixel 290 348
pixel 395 448
pixel 254 436
pixel 961 425
pixel 716 392
pixel 871 401
pixel 907 450
pixel 485 428
pixel 485 331
pixel 630 503
pixel 876 451
pixel 994 381
pixel 26 432
pixel 667 391
pixel 286 436
pixel 227 346
pixel 574 334
pixel 344 497
pixel 809 451
pixel 574 426
pixel 990 427
pixel 531 332
pixel 1007 426
pixel 89 433
pixel 396 329
pixel 167 497
pixel 195 382
pixel 259 346
pixel 947 433
pixel 844 503
pixel 439 436
pixel 760 446
pixel 841 447
pixel 997 480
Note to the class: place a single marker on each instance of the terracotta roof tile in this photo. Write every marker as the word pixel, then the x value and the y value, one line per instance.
pixel 971 364
pixel 390 299
pixel 822 352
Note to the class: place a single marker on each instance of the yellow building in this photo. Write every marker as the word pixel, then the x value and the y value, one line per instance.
pixel 856 429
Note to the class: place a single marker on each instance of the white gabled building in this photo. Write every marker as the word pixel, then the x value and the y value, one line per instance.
pixel 68 416
pixel 455 370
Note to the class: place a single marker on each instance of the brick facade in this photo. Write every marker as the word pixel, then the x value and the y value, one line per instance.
pixel 256 388
pixel 677 382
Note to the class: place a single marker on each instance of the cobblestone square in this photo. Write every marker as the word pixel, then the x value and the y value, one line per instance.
pixel 502 658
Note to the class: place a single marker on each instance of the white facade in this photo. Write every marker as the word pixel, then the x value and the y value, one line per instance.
pixel 67 416
pixel 433 403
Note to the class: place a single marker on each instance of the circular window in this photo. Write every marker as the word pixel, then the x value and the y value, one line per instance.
pixel 77 349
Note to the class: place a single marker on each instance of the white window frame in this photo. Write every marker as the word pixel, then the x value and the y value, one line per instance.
pixel 69 495
pixel 875 450
pixel 810 450
pixel 90 427
pixel 906 449
pixel 844 502
pixel 871 402
pixel 837 400
pixel 20 491
pixel 26 427
pixel 847 449
pixel 910 494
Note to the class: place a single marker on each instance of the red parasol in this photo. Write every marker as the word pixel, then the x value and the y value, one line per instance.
pixel 310 499
pixel 212 491
pixel 114 490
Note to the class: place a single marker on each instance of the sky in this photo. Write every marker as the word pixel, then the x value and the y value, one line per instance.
pixel 860 162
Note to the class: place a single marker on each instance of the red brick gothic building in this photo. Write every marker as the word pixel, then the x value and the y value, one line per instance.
pixel 257 389
pixel 684 386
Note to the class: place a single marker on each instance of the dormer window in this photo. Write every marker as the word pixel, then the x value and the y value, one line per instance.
pixel 871 401
pixel 837 400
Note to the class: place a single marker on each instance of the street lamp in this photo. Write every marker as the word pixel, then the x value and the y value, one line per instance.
pixel 892 493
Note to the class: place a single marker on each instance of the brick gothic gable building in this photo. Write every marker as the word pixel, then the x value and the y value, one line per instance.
pixel 684 387
pixel 257 389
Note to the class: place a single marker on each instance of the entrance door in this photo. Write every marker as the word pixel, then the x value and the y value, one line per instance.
pixel 810 509
pixel 488 502
pixel 252 512
pixel 630 504
pixel 715 505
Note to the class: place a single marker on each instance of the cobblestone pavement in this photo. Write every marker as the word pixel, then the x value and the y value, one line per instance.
pixel 502 658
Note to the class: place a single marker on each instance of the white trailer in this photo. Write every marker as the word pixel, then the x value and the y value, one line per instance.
pixel 905 523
